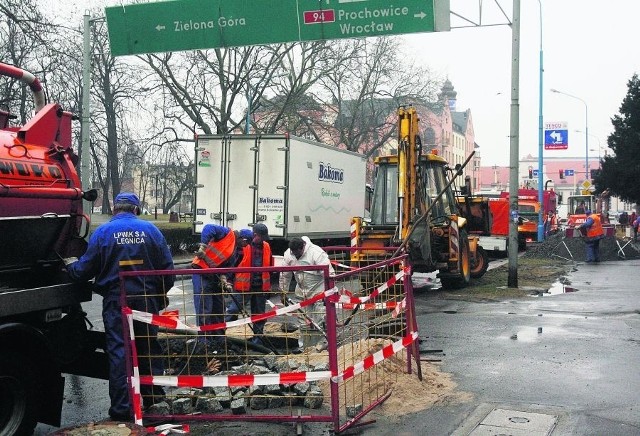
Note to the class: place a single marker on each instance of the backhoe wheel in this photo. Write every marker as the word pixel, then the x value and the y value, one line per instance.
pixel 480 264
pixel 463 277
pixel 18 395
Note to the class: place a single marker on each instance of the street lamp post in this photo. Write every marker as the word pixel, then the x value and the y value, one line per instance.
pixel 156 214
pixel 599 150
pixel 586 129
pixel 540 142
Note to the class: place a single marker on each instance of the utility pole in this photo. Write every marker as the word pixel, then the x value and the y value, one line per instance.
pixel 85 123
pixel 540 141
pixel 85 118
pixel 512 280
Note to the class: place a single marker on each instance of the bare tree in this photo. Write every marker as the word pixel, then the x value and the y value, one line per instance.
pixel 25 36
pixel 117 140
pixel 365 92
pixel 207 90
pixel 294 107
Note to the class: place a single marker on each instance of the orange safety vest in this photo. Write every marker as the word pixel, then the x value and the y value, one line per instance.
pixel 596 229
pixel 216 252
pixel 243 280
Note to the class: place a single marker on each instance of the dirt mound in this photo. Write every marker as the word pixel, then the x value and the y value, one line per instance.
pixel 558 246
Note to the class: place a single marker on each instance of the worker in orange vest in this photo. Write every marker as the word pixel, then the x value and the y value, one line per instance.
pixel 595 233
pixel 253 288
pixel 220 247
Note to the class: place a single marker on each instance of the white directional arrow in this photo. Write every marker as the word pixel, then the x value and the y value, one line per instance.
pixel 556 136
pixel 421 15
pixel 160 27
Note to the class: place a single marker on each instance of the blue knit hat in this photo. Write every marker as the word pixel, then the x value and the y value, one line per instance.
pixel 127 198
pixel 246 234
pixel 587 212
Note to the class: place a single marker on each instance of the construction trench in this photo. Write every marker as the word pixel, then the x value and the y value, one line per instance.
pixel 336 372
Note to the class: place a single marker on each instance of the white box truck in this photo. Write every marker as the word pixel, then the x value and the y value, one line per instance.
pixel 295 186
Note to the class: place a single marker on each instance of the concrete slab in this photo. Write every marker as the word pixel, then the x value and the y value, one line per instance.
pixel 515 422
pixel 490 430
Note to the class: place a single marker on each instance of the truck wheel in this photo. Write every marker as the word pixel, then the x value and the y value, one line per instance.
pixel 480 263
pixel 18 394
pixel 462 278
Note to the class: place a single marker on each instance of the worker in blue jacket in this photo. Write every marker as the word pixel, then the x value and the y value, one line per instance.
pixel 220 247
pixel 127 243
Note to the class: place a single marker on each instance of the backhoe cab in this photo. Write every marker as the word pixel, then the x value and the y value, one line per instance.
pixel 414 208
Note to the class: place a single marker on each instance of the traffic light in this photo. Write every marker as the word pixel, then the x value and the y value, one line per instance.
pixel 530 172
pixel 561 173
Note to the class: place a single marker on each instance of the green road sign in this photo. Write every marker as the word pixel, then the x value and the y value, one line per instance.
pixel 200 24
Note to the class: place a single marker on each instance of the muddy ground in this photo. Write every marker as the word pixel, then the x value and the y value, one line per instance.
pixel 540 266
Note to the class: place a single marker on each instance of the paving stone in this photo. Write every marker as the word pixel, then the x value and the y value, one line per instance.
pixel 208 405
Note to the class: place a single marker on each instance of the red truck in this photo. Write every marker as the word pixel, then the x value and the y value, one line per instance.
pixel 43 330
pixel 529 214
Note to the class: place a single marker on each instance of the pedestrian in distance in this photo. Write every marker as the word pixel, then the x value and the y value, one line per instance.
pixel 594 233
pixel 636 224
pixel 220 247
pixel 127 243
pixel 623 219
pixel 253 288
pixel 302 251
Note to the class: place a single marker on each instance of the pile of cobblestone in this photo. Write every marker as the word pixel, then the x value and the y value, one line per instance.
pixel 237 399
pixel 573 249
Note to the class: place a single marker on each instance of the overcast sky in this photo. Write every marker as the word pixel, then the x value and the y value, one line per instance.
pixel 590 51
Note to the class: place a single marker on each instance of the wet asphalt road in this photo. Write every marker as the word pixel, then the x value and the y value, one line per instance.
pixel 582 367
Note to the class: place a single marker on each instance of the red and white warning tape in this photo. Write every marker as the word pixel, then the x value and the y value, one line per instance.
pixel 200 381
pixel 342 265
pixel 375 358
pixel 368 306
pixel 171 320
pixel 346 299
pixel 397 306
pixel 135 376
pixel 400 307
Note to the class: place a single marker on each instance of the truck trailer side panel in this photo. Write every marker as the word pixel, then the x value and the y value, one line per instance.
pixel 240 181
pixel 294 186
pixel 325 190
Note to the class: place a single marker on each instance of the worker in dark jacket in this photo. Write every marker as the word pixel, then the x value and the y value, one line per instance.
pixel 253 288
pixel 220 247
pixel 594 233
pixel 127 243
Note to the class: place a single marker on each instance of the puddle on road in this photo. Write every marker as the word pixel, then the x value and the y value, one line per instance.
pixel 556 289
pixel 534 334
